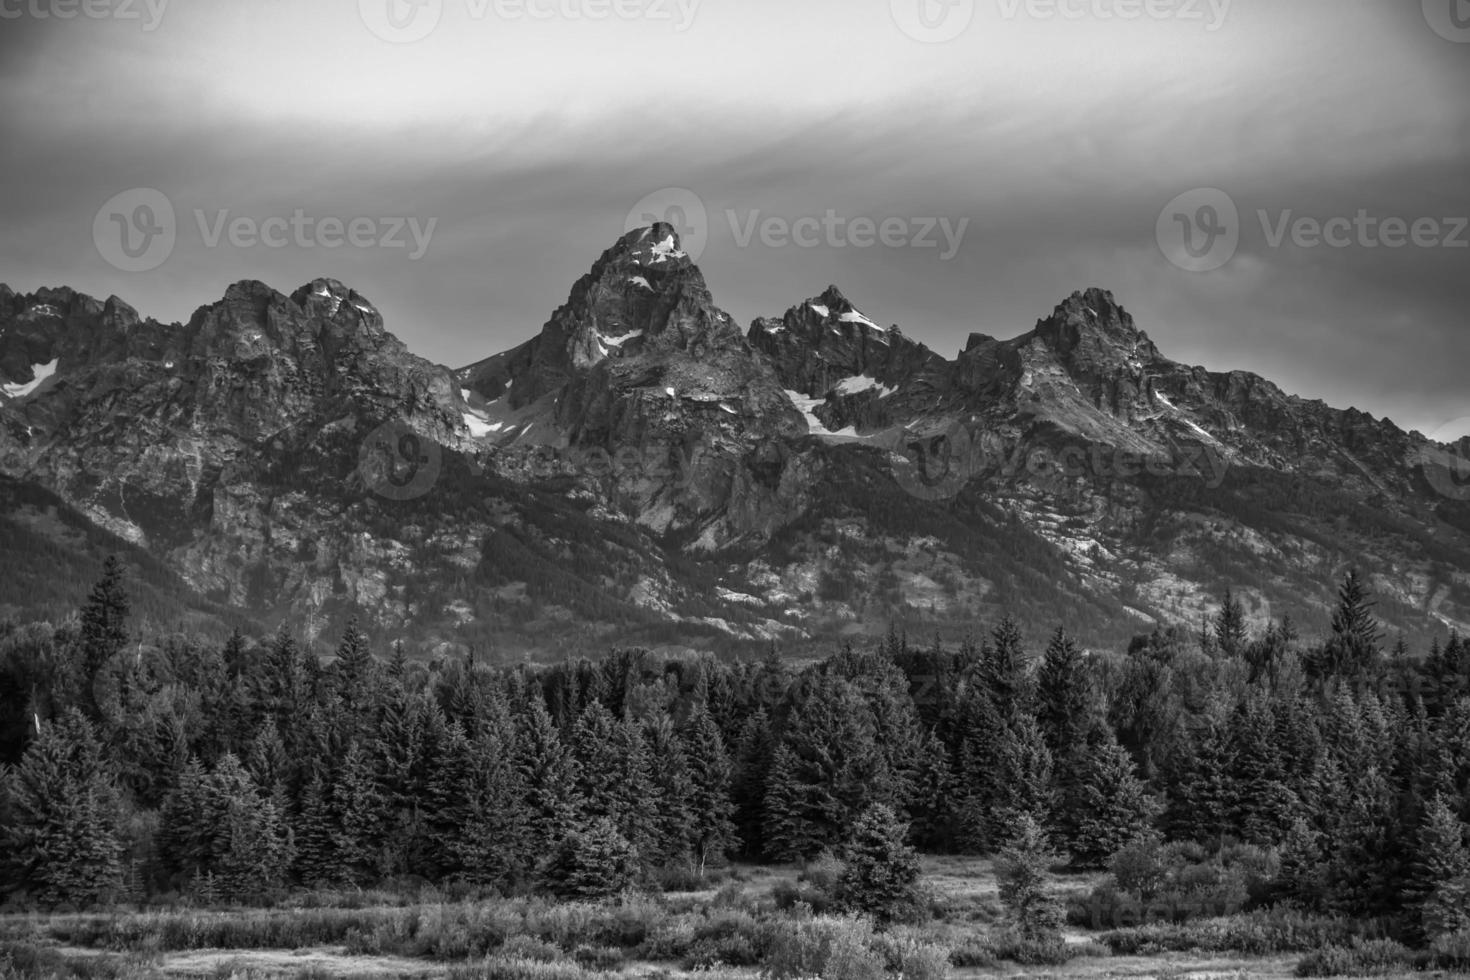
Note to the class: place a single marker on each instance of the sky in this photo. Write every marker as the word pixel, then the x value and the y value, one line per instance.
pixel 1279 187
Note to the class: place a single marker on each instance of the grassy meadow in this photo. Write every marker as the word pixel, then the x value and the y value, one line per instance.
pixel 745 922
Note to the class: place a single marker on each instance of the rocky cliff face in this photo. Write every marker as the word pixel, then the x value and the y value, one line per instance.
pixel 644 471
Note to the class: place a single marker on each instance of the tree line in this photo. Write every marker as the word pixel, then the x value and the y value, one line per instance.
pixel 145 767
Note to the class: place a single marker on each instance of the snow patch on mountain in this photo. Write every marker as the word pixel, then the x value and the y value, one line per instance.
pixel 41 372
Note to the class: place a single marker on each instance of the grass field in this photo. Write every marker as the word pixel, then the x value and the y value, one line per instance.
pixel 719 933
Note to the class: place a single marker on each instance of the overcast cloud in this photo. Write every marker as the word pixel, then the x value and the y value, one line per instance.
pixel 1054 142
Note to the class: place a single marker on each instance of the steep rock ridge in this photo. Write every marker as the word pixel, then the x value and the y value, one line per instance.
pixel 639 362
pixel 642 471
pixel 855 374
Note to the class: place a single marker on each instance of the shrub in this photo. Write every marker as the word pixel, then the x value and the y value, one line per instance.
pixel 1363 958
pixel 1450 952
pixel 914 959
pixel 530 948
pixel 824 946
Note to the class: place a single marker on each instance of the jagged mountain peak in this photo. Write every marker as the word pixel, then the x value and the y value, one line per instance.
pixel 1091 325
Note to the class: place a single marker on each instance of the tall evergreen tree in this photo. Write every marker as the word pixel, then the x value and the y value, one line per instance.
pixel 1439 883
pixel 1103 804
pixel 104 630
pixel 62 836
pixel 710 774
pixel 880 875
pixel 1024 882
pixel 1353 647
pixel 1063 696
pixel 1230 628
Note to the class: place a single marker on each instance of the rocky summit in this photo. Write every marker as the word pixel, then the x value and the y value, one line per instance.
pixel 643 471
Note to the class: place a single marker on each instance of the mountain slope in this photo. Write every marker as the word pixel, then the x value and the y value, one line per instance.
pixel 643 471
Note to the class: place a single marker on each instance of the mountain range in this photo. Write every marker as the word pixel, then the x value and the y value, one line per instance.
pixel 643 471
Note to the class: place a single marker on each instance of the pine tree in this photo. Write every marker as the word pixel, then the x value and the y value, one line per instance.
pixel 1301 876
pixel 1261 805
pixel 354 668
pixel 104 630
pixel 1230 629
pixel 357 817
pixel 710 774
pixel 1439 882
pixel 593 863
pixel 749 783
pixel 1353 648
pixel 831 771
pixel 252 848
pixel 548 777
pixel 1063 696
pixel 316 855
pixel 62 834
pixel 1103 804
pixel 880 873
pixel 1021 870
pixel 672 804
pixel 1003 668
pixel 186 825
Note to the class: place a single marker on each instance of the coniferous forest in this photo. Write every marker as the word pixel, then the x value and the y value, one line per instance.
pixel 1316 790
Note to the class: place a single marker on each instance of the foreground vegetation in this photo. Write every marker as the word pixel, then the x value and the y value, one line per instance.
pixel 736 928
pixel 1226 794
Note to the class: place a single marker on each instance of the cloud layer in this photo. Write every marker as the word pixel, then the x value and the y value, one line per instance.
pixel 1055 133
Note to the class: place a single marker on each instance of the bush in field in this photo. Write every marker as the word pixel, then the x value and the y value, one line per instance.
pixel 913 959
pixel 1140 868
pixel 1363 958
pixel 1022 871
pixel 828 947
pixel 881 873
pixel 595 863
